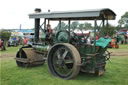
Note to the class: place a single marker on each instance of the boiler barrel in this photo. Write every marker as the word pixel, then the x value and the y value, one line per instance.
pixel 39 48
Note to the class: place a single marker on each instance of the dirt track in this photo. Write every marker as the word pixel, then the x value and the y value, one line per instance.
pixel 114 53
pixel 119 53
pixel 7 55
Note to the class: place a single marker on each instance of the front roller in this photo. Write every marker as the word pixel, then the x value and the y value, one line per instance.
pixel 27 57
pixel 64 61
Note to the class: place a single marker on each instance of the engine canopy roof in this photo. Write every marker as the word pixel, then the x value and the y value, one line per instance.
pixel 98 14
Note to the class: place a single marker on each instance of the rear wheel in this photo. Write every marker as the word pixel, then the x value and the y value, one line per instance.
pixel 64 61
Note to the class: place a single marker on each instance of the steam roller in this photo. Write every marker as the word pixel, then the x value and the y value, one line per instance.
pixel 67 51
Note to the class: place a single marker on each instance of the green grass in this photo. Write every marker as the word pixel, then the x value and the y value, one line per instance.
pixel 116 73
pixel 10 50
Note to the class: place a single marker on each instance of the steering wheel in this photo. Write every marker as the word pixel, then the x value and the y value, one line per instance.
pixel 107 53
pixel 75 37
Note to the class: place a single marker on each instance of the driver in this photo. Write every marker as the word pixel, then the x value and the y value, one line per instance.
pixel 49 33
pixel 49 28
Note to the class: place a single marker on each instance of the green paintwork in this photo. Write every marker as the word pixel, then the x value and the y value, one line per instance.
pixel 62 37
pixel 103 42
pixel 86 52
pixel 40 48
pixel 43 36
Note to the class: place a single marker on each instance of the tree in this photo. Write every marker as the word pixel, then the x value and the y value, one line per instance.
pixel 124 20
pixel 81 26
pixel 108 30
pixel 5 34
pixel 87 25
pixel 74 25
pixel 63 26
pixel 120 22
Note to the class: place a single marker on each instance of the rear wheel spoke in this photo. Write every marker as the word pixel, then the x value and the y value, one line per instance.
pixel 58 54
pixel 68 61
pixel 65 53
pixel 65 67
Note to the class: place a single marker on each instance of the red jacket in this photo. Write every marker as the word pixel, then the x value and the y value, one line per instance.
pixel 97 37
pixel 25 40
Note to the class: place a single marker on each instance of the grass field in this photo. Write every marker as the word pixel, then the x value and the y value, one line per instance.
pixel 10 74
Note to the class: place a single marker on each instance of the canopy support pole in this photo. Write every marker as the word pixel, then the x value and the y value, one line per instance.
pixel 59 24
pixel 44 23
pixel 95 24
pixel 103 20
pixel 69 24
pixel 37 27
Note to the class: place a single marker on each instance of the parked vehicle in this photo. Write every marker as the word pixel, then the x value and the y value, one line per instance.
pixel 13 41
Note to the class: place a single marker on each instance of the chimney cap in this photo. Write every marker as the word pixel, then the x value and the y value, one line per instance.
pixel 48 10
pixel 37 10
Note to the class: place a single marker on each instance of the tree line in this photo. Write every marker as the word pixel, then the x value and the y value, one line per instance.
pixel 123 22
pixel 109 29
pixel 74 25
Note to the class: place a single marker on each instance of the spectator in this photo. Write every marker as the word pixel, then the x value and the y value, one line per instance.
pixel 25 40
pixel 2 44
pixel 97 36
pixel 125 38
pixel 88 39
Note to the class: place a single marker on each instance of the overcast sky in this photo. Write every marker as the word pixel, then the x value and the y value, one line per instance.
pixel 15 12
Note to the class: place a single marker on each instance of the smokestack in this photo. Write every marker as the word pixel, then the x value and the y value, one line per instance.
pixel 37 10
pixel 49 10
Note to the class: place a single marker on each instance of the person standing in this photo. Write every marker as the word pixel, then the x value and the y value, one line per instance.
pixel 125 38
pixel 2 44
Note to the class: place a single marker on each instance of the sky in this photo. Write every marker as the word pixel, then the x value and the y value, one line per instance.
pixel 15 12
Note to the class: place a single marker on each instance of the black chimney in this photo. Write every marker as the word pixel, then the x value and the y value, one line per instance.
pixel 37 10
